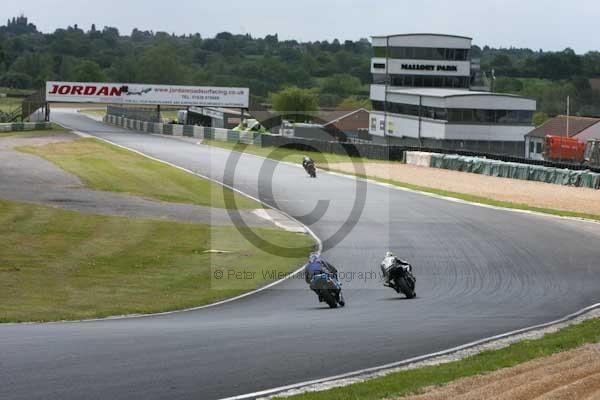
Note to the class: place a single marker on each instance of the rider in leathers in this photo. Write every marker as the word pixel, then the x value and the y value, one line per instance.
pixel 390 261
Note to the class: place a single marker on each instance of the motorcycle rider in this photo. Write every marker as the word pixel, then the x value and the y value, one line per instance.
pixel 390 261
pixel 316 266
pixel 306 161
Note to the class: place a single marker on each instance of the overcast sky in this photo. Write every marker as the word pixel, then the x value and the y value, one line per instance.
pixel 546 24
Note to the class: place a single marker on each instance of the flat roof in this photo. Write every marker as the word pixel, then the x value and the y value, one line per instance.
pixel 422 34
pixel 446 93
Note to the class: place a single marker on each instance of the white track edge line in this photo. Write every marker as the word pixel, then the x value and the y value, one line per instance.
pixel 385 367
pixel 232 299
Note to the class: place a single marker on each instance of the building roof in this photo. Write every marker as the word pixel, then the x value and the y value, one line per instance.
pixel 422 34
pixel 557 126
pixel 446 93
pixel 595 83
pixel 331 117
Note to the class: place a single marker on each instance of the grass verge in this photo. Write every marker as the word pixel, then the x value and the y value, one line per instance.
pixel 323 159
pixel 283 154
pixel 415 381
pixel 34 133
pixel 63 265
pixel 102 166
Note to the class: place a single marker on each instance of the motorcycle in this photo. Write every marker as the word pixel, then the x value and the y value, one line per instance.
pixel 329 290
pixel 310 169
pixel 402 280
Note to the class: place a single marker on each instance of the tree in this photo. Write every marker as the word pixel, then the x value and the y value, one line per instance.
pixel 539 118
pixel 354 102
pixel 15 80
pixel 89 71
pixel 295 103
pixel 160 64
pixel 342 85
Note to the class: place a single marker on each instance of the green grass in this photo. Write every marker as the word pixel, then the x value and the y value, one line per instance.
pixel 56 129
pixel 8 104
pixel 291 155
pixel 414 381
pixel 322 160
pixel 96 112
pixel 102 166
pixel 57 264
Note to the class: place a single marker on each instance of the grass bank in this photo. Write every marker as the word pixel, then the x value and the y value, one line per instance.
pixel 283 154
pixel 57 264
pixel 102 166
pixel 415 381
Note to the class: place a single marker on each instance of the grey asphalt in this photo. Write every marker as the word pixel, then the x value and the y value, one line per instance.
pixel 480 272
pixel 26 177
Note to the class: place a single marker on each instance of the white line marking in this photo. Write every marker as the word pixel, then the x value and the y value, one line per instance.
pixel 386 366
pixel 366 371
pixel 310 232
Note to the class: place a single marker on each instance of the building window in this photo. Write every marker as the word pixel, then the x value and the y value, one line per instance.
pixel 380 52
pixel 461 82
pixel 422 53
pixel 458 115
pixel 382 125
pixel 539 147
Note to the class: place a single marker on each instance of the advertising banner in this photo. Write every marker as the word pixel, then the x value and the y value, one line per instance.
pixel 134 93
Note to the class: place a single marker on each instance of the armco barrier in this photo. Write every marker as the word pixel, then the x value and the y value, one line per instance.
pixel 186 130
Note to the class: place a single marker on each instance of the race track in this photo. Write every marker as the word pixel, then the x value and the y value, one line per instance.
pixel 480 272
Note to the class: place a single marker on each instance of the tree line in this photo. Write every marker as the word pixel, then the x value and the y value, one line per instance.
pixel 331 73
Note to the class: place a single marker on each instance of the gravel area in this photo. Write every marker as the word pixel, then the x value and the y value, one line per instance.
pixel 570 375
pixel 535 194
pixel 456 356
pixel 29 178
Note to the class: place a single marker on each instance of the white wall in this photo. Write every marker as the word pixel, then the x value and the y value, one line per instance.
pixel 487 132
pixel 491 102
pixel 428 41
pixel 394 66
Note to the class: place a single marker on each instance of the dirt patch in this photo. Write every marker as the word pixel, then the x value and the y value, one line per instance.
pixel 570 375
pixel 535 194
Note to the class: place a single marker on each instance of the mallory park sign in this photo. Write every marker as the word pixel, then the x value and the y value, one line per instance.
pixel 429 67
pixel 135 93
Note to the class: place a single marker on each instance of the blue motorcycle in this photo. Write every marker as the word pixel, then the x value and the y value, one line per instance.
pixel 329 290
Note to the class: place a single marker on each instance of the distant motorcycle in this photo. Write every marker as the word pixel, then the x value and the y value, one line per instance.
pixel 328 289
pixel 309 167
pixel 401 277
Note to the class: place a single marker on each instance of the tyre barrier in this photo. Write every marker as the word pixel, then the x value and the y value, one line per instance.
pixel 25 126
pixel 200 132
pixel 502 169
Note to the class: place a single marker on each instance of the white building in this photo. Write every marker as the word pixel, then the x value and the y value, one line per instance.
pixel 421 95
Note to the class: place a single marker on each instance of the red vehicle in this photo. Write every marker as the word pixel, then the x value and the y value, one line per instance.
pixel 560 148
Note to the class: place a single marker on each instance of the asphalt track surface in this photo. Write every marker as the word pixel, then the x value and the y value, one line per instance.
pixel 480 272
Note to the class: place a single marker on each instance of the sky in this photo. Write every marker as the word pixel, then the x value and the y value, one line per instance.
pixel 536 24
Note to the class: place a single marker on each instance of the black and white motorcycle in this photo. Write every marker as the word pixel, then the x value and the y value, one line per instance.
pixel 399 275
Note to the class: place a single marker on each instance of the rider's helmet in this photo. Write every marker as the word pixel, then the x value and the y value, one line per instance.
pixel 389 254
pixel 314 257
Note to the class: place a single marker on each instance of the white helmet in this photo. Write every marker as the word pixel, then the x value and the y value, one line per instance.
pixel 389 254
